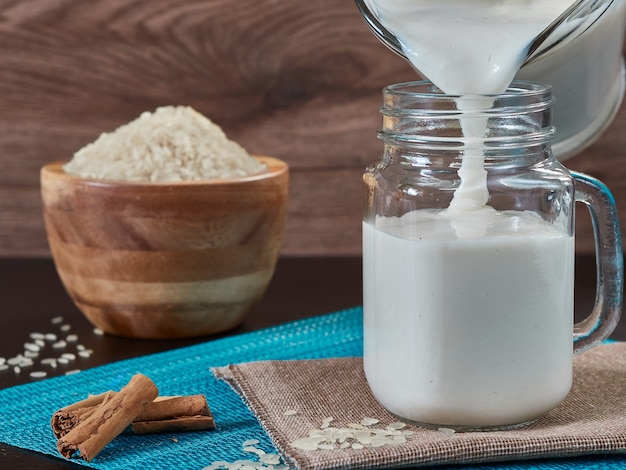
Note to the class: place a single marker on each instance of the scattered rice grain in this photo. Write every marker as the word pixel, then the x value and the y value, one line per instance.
pixel 326 422
pixel 72 372
pixel 290 413
pixel 356 436
pixel 15 360
pixel 325 446
pixel 270 459
pixel 356 426
pixel 380 442
pixel 253 450
pixel 32 347
pixel 369 421
pixel 20 360
pixel 38 341
pixel 306 443
pixel 98 331
pixel 447 431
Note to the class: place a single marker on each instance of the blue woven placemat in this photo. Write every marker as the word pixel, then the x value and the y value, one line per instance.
pixel 26 410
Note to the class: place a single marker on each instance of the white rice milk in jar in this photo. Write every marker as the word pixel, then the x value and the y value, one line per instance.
pixel 468 253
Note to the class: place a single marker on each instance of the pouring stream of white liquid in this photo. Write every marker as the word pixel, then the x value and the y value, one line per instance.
pixel 472 192
pixel 467 48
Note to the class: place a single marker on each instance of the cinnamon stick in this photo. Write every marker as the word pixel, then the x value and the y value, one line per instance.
pixel 67 418
pixel 181 424
pixel 108 419
pixel 188 413
pixel 164 414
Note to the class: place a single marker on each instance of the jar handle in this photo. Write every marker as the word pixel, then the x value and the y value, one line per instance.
pixel 609 263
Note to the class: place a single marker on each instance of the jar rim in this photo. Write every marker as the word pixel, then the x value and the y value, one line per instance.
pixel 517 89
pixel 423 100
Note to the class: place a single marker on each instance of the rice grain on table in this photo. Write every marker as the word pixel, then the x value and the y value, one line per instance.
pixel 173 143
pixel 38 342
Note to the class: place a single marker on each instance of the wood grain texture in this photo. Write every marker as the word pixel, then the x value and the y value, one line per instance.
pixel 166 260
pixel 296 79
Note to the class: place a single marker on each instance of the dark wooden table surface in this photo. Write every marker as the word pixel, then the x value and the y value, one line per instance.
pixel 31 295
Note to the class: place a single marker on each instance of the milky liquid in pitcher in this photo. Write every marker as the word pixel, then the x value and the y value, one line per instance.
pixel 467 47
pixel 468 306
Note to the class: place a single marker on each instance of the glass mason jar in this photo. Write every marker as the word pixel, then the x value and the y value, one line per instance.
pixel 468 259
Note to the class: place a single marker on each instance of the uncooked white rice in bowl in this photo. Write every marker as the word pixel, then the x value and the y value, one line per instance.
pixel 173 143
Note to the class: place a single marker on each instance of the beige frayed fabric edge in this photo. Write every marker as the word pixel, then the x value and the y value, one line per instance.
pixel 591 420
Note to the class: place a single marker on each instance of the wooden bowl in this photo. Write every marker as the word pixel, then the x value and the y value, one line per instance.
pixel 165 260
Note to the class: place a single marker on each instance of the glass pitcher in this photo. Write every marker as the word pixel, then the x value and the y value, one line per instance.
pixel 468 304
pixel 579 54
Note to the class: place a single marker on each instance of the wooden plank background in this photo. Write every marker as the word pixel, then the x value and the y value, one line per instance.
pixel 296 79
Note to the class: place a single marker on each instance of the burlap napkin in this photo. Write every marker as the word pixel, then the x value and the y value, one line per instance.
pixel 290 398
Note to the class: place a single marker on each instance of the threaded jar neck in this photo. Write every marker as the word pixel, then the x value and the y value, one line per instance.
pixel 419 116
